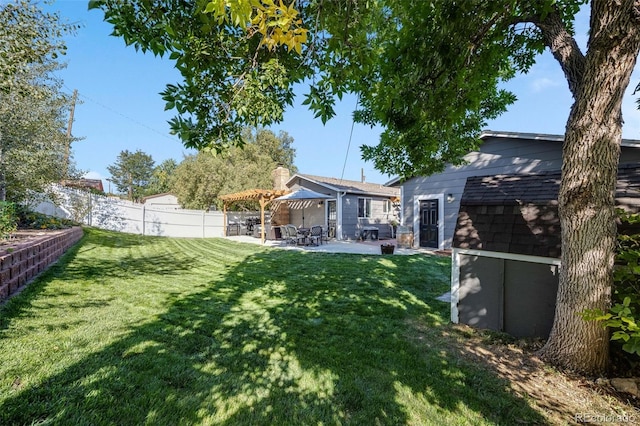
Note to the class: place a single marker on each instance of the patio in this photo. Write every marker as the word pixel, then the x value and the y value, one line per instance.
pixel 335 246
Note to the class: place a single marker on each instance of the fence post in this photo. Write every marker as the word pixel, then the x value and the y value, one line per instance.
pixel 90 209
pixel 143 218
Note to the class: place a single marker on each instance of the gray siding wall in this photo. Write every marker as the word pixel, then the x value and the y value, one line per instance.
pixel 496 156
pixel 352 224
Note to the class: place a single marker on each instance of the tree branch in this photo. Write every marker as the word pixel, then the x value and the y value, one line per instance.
pixel 564 48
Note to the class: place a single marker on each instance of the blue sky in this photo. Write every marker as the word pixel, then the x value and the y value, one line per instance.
pixel 121 109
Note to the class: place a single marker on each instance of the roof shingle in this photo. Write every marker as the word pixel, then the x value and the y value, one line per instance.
pixel 353 186
pixel 519 213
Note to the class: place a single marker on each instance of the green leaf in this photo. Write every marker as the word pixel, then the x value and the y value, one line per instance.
pixel 632 346
pixel 95 4
pixel 620 335
pixel 211 6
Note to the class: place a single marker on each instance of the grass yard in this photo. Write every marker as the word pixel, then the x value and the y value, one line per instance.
pixel 140 330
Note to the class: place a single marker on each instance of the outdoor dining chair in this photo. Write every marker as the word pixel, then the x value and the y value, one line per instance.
pixel 316 235
pixel 290 234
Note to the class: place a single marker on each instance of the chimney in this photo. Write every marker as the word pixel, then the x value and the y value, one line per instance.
pixel 280 178
pixel 362 176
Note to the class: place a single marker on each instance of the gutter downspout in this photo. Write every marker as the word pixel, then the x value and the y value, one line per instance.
pixel 402 206
pixel 339 214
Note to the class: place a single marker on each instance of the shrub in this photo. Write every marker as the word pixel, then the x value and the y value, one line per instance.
pixel 32 220
pixel 8 219
pixel 623 317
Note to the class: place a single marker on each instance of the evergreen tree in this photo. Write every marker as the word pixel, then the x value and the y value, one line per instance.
pixel 131 173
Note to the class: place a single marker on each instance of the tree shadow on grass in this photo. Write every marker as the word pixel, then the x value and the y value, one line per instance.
pixel 282 338
pixel 117 240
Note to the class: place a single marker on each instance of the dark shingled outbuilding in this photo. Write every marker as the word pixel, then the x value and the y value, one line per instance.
pixel 519 213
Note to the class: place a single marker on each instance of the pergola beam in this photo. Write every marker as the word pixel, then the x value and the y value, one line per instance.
pixel 263 196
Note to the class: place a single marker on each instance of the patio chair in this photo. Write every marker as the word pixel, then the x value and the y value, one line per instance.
pixel 286 236
pixel 290 234
pixel 316 235
pixel 325 235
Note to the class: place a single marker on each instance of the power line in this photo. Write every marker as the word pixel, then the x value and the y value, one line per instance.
pixel 133 120
pixel 353 124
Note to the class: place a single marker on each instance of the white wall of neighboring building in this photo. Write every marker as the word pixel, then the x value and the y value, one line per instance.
pixel 162 201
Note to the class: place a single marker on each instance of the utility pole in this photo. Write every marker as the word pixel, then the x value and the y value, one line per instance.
pixel 69 126
pixel 130 187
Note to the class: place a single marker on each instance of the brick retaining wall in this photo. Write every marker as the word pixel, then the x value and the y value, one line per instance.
pixel 29 259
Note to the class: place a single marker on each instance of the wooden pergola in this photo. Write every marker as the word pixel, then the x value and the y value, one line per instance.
pixel 263 196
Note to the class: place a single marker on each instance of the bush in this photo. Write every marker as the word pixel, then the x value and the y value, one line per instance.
pixel 8 219
pixel 32 220
pixel 623 317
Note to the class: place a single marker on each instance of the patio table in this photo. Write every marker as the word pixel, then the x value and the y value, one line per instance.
pixel 303 234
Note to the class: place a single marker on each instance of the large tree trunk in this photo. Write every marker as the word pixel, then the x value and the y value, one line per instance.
pixel 589 172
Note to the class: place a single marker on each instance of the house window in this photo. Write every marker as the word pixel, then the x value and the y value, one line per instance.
pixel 364 207
pixel 386 206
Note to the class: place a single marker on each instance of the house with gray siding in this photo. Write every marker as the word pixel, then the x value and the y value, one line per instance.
pixel 430 204
pixel 353 210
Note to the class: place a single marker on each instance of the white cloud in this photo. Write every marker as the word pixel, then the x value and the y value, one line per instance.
pixel 540 84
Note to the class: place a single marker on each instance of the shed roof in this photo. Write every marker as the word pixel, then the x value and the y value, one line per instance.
pixel 163 194
pixel 519 213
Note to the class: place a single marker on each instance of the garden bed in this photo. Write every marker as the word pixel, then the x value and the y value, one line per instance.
pixel 27 253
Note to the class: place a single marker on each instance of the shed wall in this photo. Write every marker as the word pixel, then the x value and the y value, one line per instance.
pixel 514 296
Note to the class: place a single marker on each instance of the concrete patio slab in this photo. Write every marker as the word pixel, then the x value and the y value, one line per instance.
pixel 335 246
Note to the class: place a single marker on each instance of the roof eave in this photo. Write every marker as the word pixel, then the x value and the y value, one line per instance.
pixel 325 185
pixel 630 143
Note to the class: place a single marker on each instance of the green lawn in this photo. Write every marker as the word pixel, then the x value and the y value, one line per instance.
pixel 139 330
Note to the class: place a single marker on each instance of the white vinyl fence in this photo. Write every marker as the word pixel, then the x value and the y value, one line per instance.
pixel 114 214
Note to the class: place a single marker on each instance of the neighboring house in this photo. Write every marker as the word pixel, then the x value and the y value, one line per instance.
pixel 353 211
pixel 95 184
pixel 162 201
pixel 430 204
pixel 507 247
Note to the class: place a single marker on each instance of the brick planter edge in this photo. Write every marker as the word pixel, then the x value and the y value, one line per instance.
pixel 30 259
